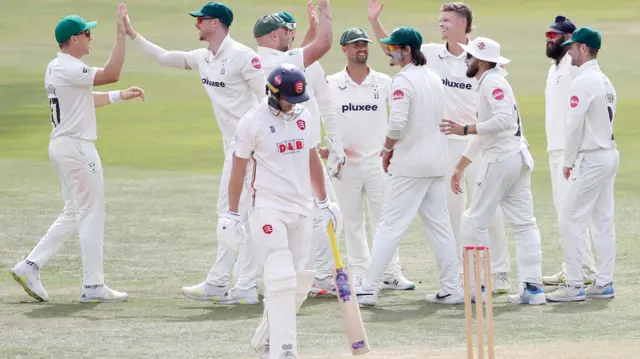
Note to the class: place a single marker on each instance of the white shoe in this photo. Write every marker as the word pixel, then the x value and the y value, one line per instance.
pixel 324 287
pixel 501 283
pixel 102 294
pixel 28 276
pixel 205 291
pixel 556 279
pixel 531 294
pixel 445 299
pixel 367 297
pixel 600 292
pixel 240 296
pixel 397 282
pixel 567 293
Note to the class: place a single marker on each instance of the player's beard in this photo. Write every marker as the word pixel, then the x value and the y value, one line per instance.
pixel 395 58
pixel 555 50
pixel 472 71
pixel 362 59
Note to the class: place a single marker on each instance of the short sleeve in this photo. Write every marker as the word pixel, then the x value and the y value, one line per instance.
pixel 296 57
pixel 80 75
pixel 194 57
pixel 251 66
pixel 245 141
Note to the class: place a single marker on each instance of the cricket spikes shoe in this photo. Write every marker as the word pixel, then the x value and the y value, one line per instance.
pixel 501 283
pixel 324 287
pixel 588 274
pixel 556 279
pixel 567 293
pixel 367 297
pixel 102 294
pixel 397 281
pixel 27 274
pixel 445 298
pixel 240 296
pixel 205 292
pixel 532 294
pixel 600 292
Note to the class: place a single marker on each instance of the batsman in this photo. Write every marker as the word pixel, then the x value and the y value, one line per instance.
pixel 287 172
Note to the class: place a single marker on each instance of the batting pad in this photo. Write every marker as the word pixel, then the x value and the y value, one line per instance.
pixel 280 286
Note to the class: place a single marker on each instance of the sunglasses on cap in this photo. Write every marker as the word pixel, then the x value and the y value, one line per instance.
pixel 392 47
pixel 552 35
pixel 200 19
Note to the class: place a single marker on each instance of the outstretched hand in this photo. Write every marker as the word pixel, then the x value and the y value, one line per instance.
pixel 131 93
pixel 374 8
pixel 313 17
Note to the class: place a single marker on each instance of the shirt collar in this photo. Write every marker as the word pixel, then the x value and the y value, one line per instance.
pixel 367 80
pixel 227 40
pixel 495 69
pixel 68 57
pixel 591 64
pixel 444 52
pixel 268 50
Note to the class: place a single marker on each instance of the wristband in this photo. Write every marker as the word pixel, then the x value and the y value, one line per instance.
pixel 385 149
pixel 466 129
pixel 114 96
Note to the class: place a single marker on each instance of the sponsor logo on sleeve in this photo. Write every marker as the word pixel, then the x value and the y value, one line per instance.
pixel 256 63
pixel 574 102
pixel 498 94
pixel 398 95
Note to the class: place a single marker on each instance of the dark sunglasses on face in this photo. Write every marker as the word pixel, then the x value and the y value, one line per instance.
pixel 200 19
pixel 87 33
pixel 552 35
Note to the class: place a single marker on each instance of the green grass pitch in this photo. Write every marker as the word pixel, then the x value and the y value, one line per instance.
pixel 162 160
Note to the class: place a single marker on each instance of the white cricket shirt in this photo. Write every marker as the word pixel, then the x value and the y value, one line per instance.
pixel 417 107
pixel 69 85
pixel 557 96
pixel 225 77
pixel 592 110
pixel 272 58
pixel 361 112
pixel 499 126
pixel 279 150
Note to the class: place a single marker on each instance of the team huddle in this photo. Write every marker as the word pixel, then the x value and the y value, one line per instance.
pixel 280 189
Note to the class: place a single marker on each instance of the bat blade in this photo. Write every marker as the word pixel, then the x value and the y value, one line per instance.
pixel 349 309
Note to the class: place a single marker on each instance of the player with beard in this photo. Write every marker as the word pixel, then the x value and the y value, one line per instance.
pixel 232 76
pixel 557 93
pixel 505 176
pixel 447 60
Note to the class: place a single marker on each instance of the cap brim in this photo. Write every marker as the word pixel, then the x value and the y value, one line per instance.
pixel 297 99
pixel 90 25
pixel 568 42
pixel 196 13
pixel 388 41
pixel 499 60
pixel 356 40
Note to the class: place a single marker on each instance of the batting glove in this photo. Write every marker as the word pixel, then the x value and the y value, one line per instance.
pixel 336 159
pixel 331 213
pixel 229 231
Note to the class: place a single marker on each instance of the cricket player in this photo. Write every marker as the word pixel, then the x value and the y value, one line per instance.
pixel 559 79
pixel 591 162
pixel 412 156
pixel 447 60
pixel 288 170
pixel 69 83
pixel 232 75
pixel 361 96
pixel 274 38
pixel 504 178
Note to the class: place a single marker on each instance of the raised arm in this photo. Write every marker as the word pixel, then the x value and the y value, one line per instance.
pixel 374 9
pixel 321 44
pixel 313 24
pixel 111 71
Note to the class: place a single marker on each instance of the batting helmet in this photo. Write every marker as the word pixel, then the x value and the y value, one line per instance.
pixel 288 82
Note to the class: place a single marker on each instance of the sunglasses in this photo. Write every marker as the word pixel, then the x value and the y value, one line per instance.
pixel 200 19
pixel 392 47
pixel 87 33
pixel 552 35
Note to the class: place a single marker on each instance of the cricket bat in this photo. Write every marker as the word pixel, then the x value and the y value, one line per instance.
pixel 349 309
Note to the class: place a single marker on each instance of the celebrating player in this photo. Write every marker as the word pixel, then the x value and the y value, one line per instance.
pixel 287 172
pixel 69 83
pixel 417 171
pixel 506 166
pixel 447 60
pixel 361 96
pixel 559 79
pixel 232 75
pixel 591 162
pixel 274 38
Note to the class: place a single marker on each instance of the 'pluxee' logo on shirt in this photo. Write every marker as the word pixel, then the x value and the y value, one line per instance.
pixel 456 85
pixel 290 146
pixel 352 107
pixel 206 81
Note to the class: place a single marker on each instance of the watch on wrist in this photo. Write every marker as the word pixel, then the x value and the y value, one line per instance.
pixel 466 129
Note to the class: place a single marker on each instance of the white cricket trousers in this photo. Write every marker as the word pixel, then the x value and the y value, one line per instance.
pixel 80 171
pixel 559 188
pixel 360 182
pixel 410 196
pixel 457 204
pixel 246 268
pixel 506 182
pixel 589 198
pixel 283 241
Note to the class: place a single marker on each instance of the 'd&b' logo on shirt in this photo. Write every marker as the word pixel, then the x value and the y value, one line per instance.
pixel 290 146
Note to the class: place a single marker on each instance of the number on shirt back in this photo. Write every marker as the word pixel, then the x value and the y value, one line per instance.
pixel 54 106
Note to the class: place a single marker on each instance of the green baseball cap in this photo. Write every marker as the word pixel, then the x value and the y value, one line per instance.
pixel 404 36
pixel 585 35
pixel 287 17
pixel 268 23
pixel 70 26
pixel 352 35
pixel 215 10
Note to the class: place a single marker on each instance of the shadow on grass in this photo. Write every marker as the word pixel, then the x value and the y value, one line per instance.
pixel 59 310
pixel 594 305
pixel 219 312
